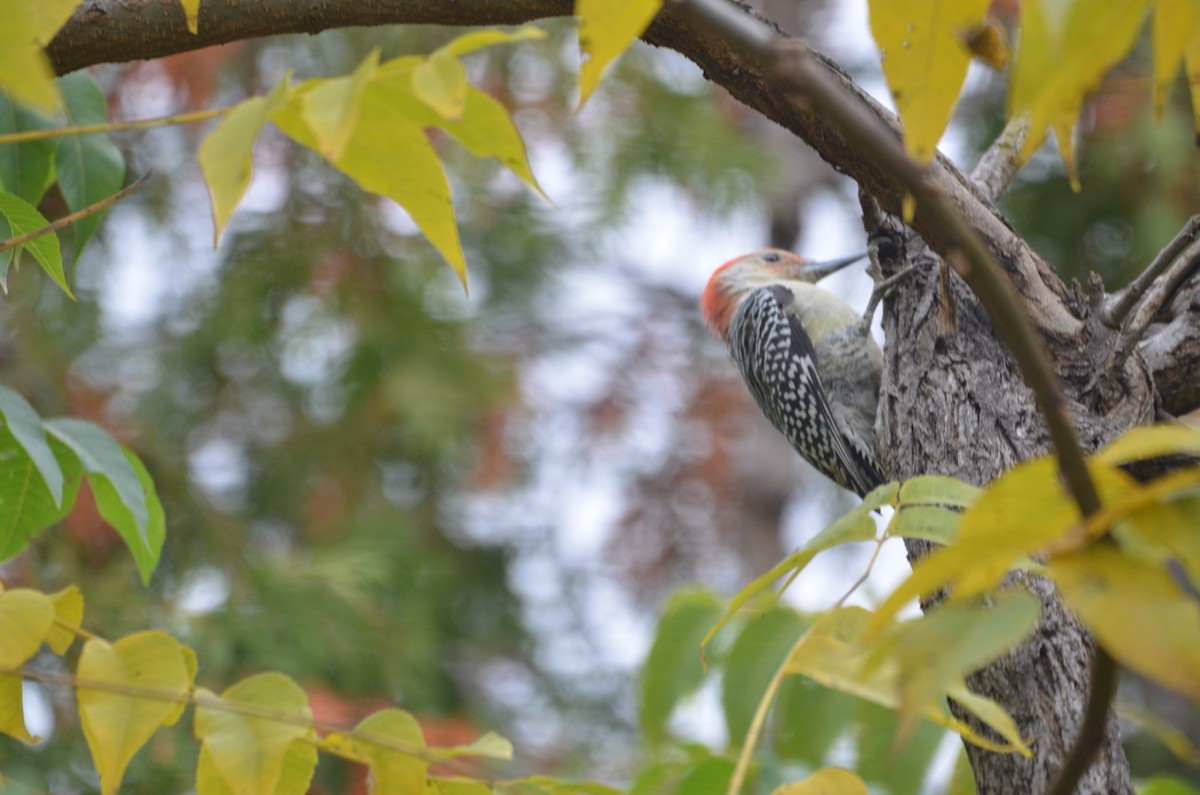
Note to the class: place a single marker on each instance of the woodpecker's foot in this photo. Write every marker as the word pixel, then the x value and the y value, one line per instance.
pixel 882 286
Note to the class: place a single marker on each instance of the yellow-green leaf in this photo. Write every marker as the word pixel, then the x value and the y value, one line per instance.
pixel 299 763
pixel 225 155
pixel 191 8
pixel 1150 441
pixel 331 107
pixel 857 525
pixel 116 720
pixel 248 750
pixel 389 155
pixel 1066 48
pixel 25 619
pixel 1191 71
pixel 489 746
pixel 1025 511
pixel 24 71
pixel 479 39
pixel 392 744
pixel 606 29
pixel 1137 612
pixel 1175 24
pixel 951 641
pixel 68 610
pixel 835 651
pixel 925 62
pixel 440 82
pixel 49 16
pixel 827 781
pixel 938 490
pixel 12 709
pixel 924 521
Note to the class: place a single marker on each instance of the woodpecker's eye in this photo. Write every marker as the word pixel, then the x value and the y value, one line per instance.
pixel 771 256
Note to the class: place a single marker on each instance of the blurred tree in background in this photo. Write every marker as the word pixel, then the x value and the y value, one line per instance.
pixel 473 507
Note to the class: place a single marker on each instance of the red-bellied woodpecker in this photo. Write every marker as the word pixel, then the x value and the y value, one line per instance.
pixel 807 357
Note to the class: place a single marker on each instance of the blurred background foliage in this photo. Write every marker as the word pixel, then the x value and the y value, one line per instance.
pixel 473 507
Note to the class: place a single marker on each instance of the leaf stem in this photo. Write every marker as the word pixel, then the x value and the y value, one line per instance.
pixel 25 136
pixel 81 213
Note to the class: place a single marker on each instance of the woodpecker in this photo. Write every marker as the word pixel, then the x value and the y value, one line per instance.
pixel 806 356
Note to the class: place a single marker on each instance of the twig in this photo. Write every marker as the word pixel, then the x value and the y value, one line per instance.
pixel 25 136
pixel 1101 689
pixel 1124 301
pixel 83 212
pixel 1155 296
pixel 995 170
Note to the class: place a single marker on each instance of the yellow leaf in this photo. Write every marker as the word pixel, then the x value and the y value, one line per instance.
pixel 1151 441
pixel 298 765
pixel 12 708
pixel 828 781
pixel 1025 511
pixel 249 750
pixel 24 71
pixel 225 155
pixel 25 619
pixel 835 653
pixel 192 9
pixel 925 62
pixel 988 42
pixel 441 83
pixel 1066 48
pixel 1137 612
pixel 392 744
pixel 478 39
pixel 606 29
pixel 117 724
pixel 68 609
pixel 1191 71
pixel 331 107
pixel 1175 23
pixel 49 16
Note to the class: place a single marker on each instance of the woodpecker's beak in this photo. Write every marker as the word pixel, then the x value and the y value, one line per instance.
pixel 819 270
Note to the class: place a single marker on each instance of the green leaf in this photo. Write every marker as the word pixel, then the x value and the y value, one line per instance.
pixel 26 169
pixel 248 751
pixel 26 427
pixel 26 504
pixel 807 718
pixel 113 509
pixel 113 478
pixel 118 724
pixel 757 653
pixel 89 167
pixel 673 669
pixel 1166 785
pixel 1137 612
pixel 226 153
pixel 23 218
pixel 709 777
pixel 299 763
pixel 608 28
pixel 24 70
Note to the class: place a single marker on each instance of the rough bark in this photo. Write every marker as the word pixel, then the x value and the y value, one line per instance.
pixel 952 401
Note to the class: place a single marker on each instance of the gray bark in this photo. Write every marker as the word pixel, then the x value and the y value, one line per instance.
pixel 952 401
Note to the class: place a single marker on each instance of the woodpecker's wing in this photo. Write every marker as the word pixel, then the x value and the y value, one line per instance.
pixel 777 360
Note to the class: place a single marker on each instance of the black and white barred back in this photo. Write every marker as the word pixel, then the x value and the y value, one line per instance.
pixel 779 364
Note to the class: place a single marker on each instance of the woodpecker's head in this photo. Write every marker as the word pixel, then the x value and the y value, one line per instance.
pixel 739 277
